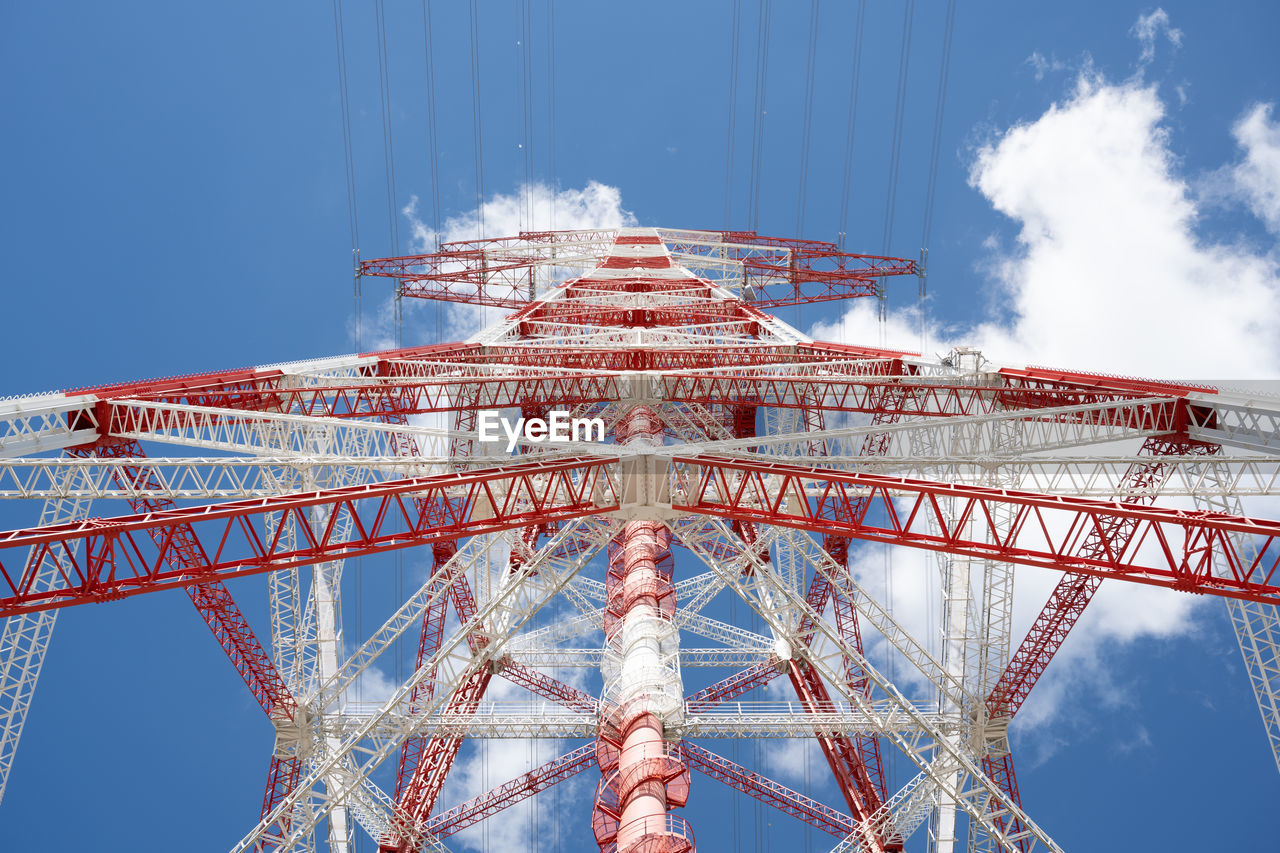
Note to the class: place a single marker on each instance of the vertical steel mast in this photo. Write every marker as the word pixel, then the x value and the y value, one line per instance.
pixel 724 456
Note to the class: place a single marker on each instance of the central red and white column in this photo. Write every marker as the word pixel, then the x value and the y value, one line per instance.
pixel 643 773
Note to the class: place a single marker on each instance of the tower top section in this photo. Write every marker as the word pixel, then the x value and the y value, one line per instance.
pixel 511 272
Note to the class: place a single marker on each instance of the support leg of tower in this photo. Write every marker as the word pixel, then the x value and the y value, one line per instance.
pixel 956 599
pixel 24 642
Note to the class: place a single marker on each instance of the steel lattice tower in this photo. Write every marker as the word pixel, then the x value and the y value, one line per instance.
pixel 731 437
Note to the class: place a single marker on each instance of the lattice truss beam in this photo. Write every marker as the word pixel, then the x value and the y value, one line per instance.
pixel 771 458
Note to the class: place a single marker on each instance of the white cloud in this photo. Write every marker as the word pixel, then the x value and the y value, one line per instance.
pixel 1257 177
pixel 907 582
pixel 1044 65
pixel 372 688
pixel 1109 273
pixel 533 824
pixel 526 826
pixel 1148 29
pixel 860 324
pixel 596 205
pixel 1081 674
pixel 798 762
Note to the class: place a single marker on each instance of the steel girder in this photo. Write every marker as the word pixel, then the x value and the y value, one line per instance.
pixel 118 562
pixel 1047 531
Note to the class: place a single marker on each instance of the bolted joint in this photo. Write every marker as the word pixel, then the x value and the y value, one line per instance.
pixel 782 652
pixel 989 733
pixel 293 735
pixel 645 481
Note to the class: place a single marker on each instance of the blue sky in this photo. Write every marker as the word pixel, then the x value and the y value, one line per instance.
pixel 176 202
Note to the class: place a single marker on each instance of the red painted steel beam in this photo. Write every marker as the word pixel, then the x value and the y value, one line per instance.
pixel 213 600
pixel 425 762
pixel 483 273
pixel 777 277
pixel 509 793
pixel 546 686
pixel 837 547
pixel 1050 378
pixel 543 355
pixel 419 797
pixel 282 777
pixel 682 317
pixel 622 262
pixel 585 288
pixel 532 680
pixel 1066 605
pixel 407 392
pixel 247 387
pixel 572 311
pixel 897 397
pixel 998 767
pixel 871 764
pixel 731 687
pixel 828 350
pixel 844 758
pixel 862 751
pixel 232 631
pixel 230 628
pixel 856 760
pixel 795 243
pixel 893 398
pixel 497 272
pixel 1175 549
pixel 471 276
pixel 408 266
pixel 418 788
pixel 392 398
pixel 120 557
pixel 429 639
pixel 1073 592
pixel 253 377
pixel 767 791
pixel 1041 377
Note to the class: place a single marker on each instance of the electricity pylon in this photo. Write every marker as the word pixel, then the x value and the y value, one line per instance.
pixel 767 456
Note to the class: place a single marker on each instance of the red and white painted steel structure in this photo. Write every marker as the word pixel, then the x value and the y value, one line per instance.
pixel 734 438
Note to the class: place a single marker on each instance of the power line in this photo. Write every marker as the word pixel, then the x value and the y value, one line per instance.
pixel 895 148
pixel 808 117
pixel 388 150
pixel 433 155
pixel 388 145
pixel 939 109
pixel 757 135
pixel 353 218
pixel 525 74
pixel 895 154
pixel 733 109
pixel 853 120
pixel 528 82
pixel 476 124
pixel 551 107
